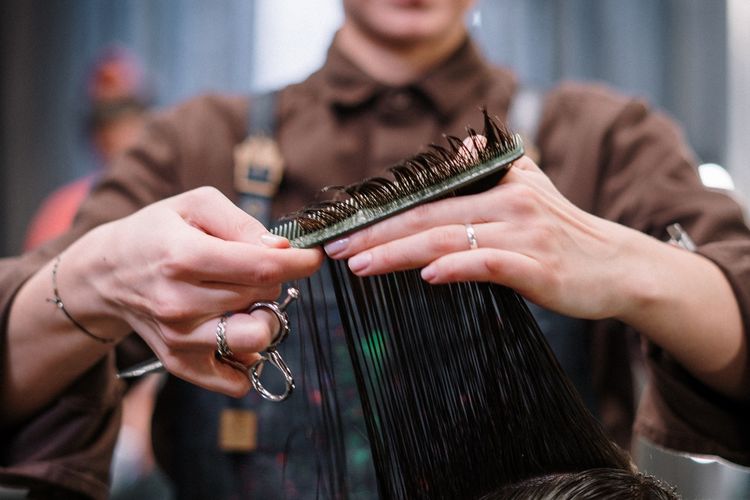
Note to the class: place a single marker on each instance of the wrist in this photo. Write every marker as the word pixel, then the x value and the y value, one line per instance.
pixel 60 304
pixel 640 268
pixel 83 278
pixel 682 302
pixel 657 286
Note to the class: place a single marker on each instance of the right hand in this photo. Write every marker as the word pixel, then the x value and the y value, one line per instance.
pixel 170 270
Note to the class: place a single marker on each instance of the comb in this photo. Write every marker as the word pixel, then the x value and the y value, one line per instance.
pixel 436 173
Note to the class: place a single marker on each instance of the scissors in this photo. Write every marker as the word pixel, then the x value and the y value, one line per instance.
pixel 270 355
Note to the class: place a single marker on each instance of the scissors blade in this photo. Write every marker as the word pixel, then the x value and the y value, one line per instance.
pixel 148 366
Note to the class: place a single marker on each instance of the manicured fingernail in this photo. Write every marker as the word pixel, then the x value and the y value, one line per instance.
pixel 274 241
pixel 360 262
pixel 336 247
pixel 428 273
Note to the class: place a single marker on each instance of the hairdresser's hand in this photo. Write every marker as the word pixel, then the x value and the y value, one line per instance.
pixel 529 237
pixel 172 269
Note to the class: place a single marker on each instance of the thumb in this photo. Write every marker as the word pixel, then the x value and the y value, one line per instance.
pixel 213 213
pixel 526 163
pixel 472 145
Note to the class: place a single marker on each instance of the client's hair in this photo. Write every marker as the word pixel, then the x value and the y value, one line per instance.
pixel 591 484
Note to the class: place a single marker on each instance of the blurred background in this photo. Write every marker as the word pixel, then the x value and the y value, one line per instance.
pixel 686 56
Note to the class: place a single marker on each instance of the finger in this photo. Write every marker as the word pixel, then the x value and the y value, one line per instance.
pixel 251 333
pixel 421 249
pixel 226 296
pixel 191 304
pixel 212 373
pixel 206 258
pixel 503 267
pixel 209 210
pixel 411 252
pixel 526 164
pixel 244 334
pixel 421 218
pixel 248 356
pixel 525 171
pixel 473 144
pixel 274 241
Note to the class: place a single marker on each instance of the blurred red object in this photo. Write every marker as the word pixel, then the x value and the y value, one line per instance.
pixel 117 74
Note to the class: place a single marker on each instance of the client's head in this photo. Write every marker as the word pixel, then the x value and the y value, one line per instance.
pixel 593 484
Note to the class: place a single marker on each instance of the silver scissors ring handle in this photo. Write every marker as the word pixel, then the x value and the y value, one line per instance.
pixel 276 360
pixel 279 310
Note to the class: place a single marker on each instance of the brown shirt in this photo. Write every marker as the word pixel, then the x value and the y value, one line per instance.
pixel 610 155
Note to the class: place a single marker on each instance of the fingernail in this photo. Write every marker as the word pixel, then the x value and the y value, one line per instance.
pixel 274 241
pixel 336 247
pixel 428 273
pixel 360 262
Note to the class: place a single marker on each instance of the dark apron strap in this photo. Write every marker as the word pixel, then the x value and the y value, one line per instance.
pixel 258 163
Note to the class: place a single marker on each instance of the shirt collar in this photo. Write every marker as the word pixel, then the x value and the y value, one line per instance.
pixel 448 86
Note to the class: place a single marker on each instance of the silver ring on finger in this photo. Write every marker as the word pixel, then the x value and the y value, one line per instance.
pixel 471 235
pixel 222 346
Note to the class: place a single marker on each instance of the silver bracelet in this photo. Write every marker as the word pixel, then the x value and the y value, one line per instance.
pixel 59 303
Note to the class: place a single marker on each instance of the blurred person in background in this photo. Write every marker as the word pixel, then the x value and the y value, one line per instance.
pixel 117 99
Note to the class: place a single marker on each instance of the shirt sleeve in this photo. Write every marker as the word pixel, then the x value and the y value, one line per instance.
pixel 647 180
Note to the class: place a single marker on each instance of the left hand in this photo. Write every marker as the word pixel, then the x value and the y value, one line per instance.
pixel 529 236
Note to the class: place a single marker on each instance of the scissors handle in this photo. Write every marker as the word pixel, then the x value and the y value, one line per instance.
pixel 272 356
pixel 276 360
